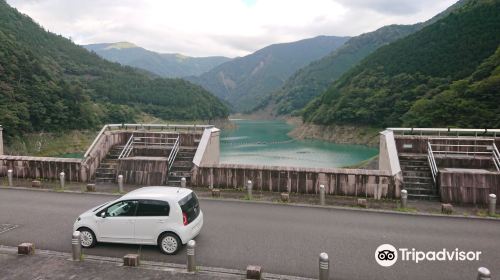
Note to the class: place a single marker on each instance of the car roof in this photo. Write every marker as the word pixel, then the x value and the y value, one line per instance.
pixel 158 192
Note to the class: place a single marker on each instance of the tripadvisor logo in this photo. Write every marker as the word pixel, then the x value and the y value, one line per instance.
pixel 386 255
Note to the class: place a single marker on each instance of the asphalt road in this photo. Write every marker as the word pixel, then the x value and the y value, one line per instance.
pixel 282 239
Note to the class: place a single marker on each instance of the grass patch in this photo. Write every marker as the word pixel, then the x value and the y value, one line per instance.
pixel 484 213
pixel 406 210
pixel 70 144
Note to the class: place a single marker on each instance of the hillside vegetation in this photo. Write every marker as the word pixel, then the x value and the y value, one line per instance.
pixel 443 75
pixel 315 78
pixel 163 64
pixel 245 81
pixel 47 83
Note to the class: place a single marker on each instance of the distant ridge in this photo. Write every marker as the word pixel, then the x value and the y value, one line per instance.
pixel 162 64
pixel 244 81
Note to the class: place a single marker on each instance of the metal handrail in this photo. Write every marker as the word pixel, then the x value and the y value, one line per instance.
pixel 173 153
pixel 447 131
pixel 432 162
pixel 127 149
pixel 496 156
pixel 175 127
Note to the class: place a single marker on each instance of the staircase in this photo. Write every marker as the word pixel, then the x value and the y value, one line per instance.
pixel 417 177
pixel 182 166
pixel 106 172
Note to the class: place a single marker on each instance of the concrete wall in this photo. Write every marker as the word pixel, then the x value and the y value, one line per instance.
pixel 468 187
pixel 208 151
pixel 100 148
pixel 388 158
pixel 350 182
pixel 417 144
pixel 148 171
pixel 25 167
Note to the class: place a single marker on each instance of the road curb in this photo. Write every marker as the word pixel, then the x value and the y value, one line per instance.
pixel 344 208
pixel 154 265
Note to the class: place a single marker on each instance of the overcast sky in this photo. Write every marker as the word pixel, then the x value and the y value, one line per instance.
pixel 220 27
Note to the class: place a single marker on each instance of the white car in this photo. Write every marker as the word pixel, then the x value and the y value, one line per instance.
pixel 163 216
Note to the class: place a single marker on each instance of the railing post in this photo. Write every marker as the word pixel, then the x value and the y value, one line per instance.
pixel 120 183
pixel 191 258
pixel 61 179
pixel 322 194
pixel 183 182
pixel 76 246
pixel 249 189
pixel 404 198
pixel 324 266
pixel 483 274
pixel 492 204
pixel 10 176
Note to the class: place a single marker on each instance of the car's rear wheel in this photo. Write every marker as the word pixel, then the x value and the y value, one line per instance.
pixel 87 238
pixel 169 243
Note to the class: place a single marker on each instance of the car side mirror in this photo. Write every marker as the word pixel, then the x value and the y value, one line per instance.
pixel 103 214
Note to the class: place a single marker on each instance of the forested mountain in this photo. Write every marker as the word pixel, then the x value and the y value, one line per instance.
pixel 315 78
pixel 244 81
pixel 312 80
pixel 163 64
pixel 47 83
pixel 443 75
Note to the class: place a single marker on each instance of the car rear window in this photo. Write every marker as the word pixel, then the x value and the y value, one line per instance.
pixel 189 205
pixel 153 208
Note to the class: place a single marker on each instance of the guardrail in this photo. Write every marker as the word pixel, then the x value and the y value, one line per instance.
pixel 173 153
pixel 146 127
pixel 127 149
pixel 432 162
pixel 446 131
pixel 496 157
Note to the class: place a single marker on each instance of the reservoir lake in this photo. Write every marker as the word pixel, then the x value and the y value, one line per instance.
pixel 265 142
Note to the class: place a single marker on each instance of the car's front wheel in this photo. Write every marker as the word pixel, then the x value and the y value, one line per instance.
pixel 169 243
pixel 87 238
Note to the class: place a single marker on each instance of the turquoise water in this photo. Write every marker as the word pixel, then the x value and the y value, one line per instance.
pixel 267 143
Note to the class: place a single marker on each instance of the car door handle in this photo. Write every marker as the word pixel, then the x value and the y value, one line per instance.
pixel 161 221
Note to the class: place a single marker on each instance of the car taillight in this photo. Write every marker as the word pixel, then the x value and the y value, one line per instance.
pixel 184 218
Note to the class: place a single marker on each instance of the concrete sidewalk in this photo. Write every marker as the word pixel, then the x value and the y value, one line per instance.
pixel 59 266
pixel 45 264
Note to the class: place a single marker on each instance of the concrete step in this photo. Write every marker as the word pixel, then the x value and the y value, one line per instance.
pixel 181 158
pixel 417 179
pixel 418 184
pixel 105 172
pixel 104 180
pixel 179 174
pixel 413 163
pixel 411 173
pixel 180 169
pixel 423 197
pixel 412 191
pixel 412 156
pixel 183 165
pixel 415 168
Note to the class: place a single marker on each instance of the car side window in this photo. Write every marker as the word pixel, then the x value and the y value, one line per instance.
pixel 122 209
pixel 153 208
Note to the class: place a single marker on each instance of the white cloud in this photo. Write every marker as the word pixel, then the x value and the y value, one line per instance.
pixel 220 27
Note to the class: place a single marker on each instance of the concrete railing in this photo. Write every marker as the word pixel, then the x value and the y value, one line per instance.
pixel 446 131
pixel 26 167
pixel 337 181
pixel 208 150
pixel 146 127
